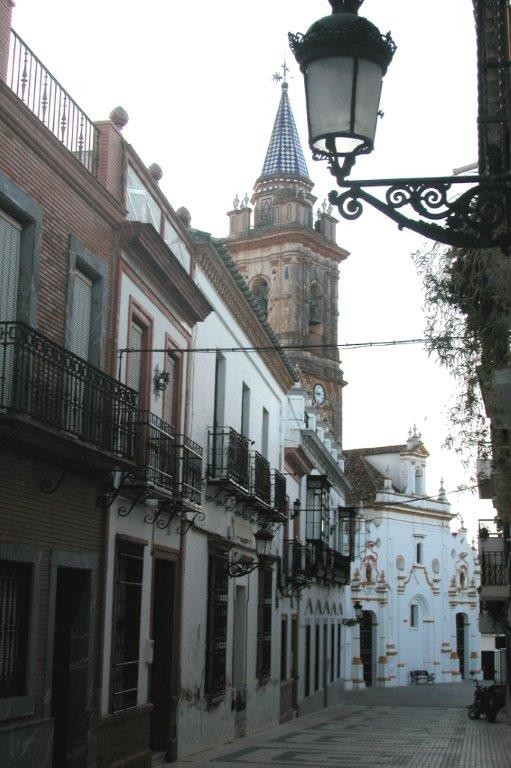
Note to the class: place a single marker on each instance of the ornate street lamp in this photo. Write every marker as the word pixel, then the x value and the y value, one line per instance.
pixel 263 539
pixel 358 616
pixel 344 58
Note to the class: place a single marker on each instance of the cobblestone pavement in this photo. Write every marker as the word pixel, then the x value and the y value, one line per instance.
pixel 417 726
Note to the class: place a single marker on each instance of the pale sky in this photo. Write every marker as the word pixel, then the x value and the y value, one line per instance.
pixel 195 79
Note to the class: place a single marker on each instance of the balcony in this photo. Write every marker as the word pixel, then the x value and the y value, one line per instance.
pixel 228 460
pixel 260 481
pixel 494 561
pixel 169 465
pixel 29 79
pixel 50 394
pixel 296 565
pixel 278 513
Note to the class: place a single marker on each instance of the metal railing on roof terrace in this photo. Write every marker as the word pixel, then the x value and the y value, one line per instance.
pixel 29 79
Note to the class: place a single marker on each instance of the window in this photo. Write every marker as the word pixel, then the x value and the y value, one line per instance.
pixel 10 241
pixel 138 364
pixel 140 203
pixel 277 214
pixel 418 482
pixel 332 652
pixel 315 305
pixel 289 212
pixel 316 659
pixel 265 433
pixel 245 410
pixel 260 291
pixel 15 596
pixel 414 615
pixel 283 649
pixel 129 564
pixel 220 371
pixel 266 210
pixel 419 553
pixel 171 393
pixel 369 574
pixel 307 660
pixel 136 342
pixel 264 617
pixel 81 318
pixel 338 650
pixel 318 508
pixel 176 245
pixel 216 637
pixel 86 302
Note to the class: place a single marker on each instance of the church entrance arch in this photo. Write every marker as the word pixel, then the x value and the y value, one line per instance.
pixel 368 647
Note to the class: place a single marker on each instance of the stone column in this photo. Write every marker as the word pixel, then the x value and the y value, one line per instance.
pixel 6 7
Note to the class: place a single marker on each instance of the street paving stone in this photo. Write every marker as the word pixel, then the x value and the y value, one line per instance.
pixel 409 727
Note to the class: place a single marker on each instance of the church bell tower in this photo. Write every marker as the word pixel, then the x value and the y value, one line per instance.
pixel 290 260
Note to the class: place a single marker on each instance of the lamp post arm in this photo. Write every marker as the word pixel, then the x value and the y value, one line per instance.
pixel 475 218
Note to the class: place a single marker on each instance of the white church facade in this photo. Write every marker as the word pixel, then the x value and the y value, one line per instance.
pixel 415 577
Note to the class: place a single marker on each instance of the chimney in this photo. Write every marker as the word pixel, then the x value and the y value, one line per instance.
pixel 6 7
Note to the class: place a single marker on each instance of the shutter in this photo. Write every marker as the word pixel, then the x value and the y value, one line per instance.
pixel 135 358
pixel 80 323
pixel 169 395
pixel 10 237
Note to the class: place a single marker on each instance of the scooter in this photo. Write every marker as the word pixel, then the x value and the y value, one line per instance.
pixel 488 700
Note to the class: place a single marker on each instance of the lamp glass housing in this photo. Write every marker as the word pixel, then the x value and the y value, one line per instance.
pixel 343 98
pixel 263 540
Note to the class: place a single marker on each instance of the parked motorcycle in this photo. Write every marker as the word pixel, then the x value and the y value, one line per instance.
pixel 488 700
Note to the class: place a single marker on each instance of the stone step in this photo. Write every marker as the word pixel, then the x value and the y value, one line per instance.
pixel 158 760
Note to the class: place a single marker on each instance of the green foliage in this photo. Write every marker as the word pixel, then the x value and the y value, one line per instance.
pixel 467 329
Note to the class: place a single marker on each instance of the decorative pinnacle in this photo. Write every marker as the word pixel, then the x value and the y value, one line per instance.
pixel 345 6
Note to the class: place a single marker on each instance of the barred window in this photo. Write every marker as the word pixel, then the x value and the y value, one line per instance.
pixel 127 608
pixel 264 625
pixel 216 644
pixel 15 589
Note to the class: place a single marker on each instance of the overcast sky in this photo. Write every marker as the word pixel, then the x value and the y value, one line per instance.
pixel 196 80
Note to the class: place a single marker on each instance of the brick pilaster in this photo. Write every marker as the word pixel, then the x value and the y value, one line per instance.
pixel 6 7
pixel 111 159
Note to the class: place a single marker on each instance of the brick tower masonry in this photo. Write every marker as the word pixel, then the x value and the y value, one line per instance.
pixel 291 263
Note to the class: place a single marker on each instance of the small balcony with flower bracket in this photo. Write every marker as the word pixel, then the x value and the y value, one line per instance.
pixel 228 464
pixel 57 402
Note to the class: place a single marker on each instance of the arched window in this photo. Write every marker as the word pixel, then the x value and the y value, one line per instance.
pixel 462 579
pixel 418 481
pixel 369 574
pixel 419 554
pixel 260 291
pixel 315 305
pixel 414 615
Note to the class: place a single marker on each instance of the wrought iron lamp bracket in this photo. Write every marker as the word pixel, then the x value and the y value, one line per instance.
pixel 477 217
pixel 241 569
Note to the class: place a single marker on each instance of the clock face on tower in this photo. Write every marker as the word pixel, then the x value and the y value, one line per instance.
pixel 319 394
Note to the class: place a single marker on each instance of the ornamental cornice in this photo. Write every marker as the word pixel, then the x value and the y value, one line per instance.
pixel 257 238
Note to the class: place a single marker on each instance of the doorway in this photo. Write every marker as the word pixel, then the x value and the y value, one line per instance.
pixel 239 659
pixel 70 668
pixel 163 728
pixel 294 659
pixel 366 647
pixel 461 643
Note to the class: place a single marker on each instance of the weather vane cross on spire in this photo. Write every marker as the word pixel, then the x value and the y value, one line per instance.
pixel 278 77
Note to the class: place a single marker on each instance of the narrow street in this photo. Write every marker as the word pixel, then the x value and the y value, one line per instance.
pixel 407 727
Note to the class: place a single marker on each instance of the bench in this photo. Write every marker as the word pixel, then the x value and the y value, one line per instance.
pixel 421 676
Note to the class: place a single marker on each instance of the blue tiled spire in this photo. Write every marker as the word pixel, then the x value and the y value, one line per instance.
pixel 285 154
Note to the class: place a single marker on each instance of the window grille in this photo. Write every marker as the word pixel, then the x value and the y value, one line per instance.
pixel 338 650
pixel 264 625
pixel 10 238
pixel 318 508
pixel 307 660
pixel 283 649
pixel 127 609
pixel 216 644
pixel 316 659
pixel 15 588
pixel 332 652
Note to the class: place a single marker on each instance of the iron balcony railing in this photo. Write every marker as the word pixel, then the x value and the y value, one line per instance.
pixel 297 561
pixel 260 479
pixel 494 569
pixel 41 379
pixel 157 452
pixel 279 498
pixel 228 457
pixel 189 469
pixel 29 79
